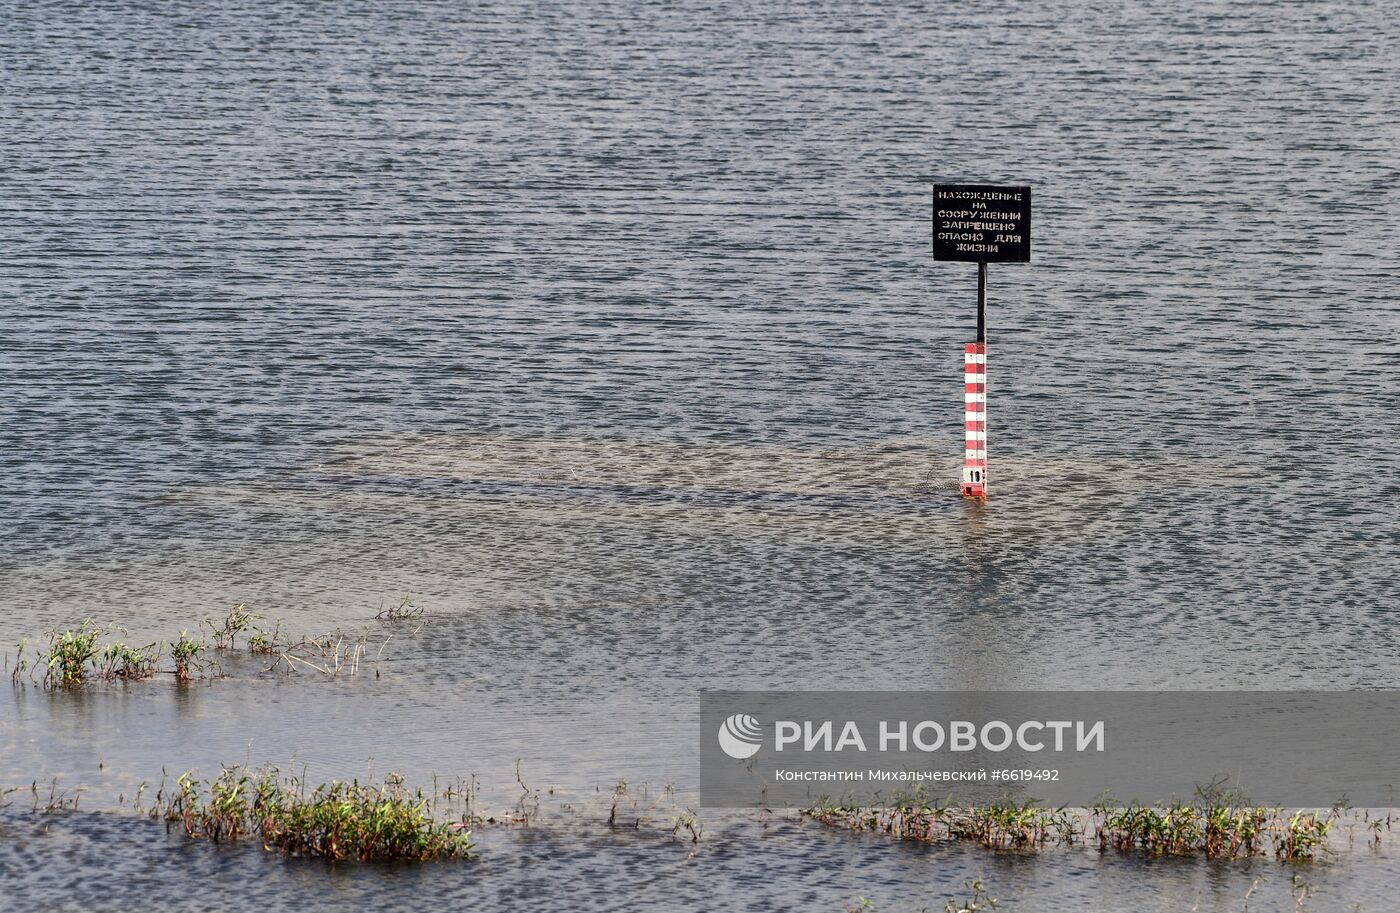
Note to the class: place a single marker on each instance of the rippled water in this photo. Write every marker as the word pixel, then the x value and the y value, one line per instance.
pixel 610 333
pixel 746 865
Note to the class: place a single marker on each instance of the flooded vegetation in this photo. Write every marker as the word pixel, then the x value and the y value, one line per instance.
pixel 997 827
pixel 646 841
pixel 1209 828
pixel 1183 829
pixel 607 827
pixel 363 822
pixel 88 653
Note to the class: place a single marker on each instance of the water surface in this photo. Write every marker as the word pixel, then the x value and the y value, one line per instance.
pixel 610 334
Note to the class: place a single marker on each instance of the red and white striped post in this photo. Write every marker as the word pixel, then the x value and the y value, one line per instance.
pixel 974 474
pixel 981 223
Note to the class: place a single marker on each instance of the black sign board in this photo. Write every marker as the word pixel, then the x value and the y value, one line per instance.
pixel 981 223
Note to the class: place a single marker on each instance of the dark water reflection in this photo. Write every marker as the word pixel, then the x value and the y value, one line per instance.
pixel 609 333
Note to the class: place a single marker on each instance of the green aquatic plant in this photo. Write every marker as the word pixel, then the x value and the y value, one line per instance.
pixel 117 660
pixel 977 901
pixel 71 654
pixel 1303 836
pixel 364 822
pixel 185 652
pixel 1001 826
pixel 77 655
pixel 689 822
pixel 1229 831
pixel 1011 825
pixel 1213 828
pixel 238 620
pixel 1175 830
pixel 264 642
pixel 1215 825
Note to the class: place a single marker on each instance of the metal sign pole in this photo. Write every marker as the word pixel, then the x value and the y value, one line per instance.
pixel 982 301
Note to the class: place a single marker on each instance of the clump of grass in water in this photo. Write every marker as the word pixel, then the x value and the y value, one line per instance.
pixel 71 655
pixel 364 822
pixel 185 654
pixel 238 620
pixel 1001 826
pixel 75 656
pixel 977 902
pixel 1303 836
pixel 264 642
pixel 1012 826
pixel 1215 827
pixel 689 822
pixel 117 660
pixel 1176 830
pixel 1219 823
